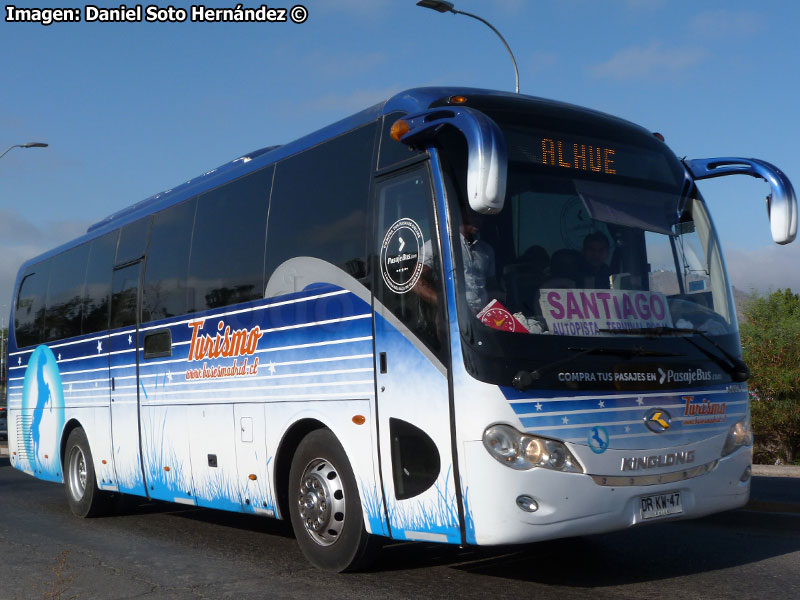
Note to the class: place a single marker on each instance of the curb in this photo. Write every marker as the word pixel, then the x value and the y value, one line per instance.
pixel 776 471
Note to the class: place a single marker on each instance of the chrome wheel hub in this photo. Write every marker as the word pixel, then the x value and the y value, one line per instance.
pixel 77 473
pixel 321 502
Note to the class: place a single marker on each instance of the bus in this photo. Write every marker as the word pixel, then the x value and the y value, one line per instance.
pixel 460 316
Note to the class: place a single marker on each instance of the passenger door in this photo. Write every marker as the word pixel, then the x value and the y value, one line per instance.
pixel 412 358
pixel 122 345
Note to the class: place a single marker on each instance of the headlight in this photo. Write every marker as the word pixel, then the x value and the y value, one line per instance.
pixel 523 451
pixel 740 434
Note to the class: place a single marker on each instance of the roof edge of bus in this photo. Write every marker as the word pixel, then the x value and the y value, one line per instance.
pixel 235 168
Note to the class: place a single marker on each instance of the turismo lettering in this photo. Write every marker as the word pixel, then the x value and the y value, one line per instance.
pixel 225 343
pixel 704 413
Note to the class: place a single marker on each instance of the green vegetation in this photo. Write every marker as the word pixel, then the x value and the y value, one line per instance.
pixel 771 342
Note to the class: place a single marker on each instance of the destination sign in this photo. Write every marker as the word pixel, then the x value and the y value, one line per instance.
pixel 590 156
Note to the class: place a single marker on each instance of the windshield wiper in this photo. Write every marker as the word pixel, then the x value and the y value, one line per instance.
pixel 524 379
pixel 733 366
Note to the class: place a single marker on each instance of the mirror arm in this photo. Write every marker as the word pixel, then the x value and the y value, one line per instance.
pixel 487 162
pixel 782 198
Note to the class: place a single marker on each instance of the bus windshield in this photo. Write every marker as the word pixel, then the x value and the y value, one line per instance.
pixel 602 243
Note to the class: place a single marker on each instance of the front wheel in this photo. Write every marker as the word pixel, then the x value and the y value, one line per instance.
pixel 83 496
pixel 325 507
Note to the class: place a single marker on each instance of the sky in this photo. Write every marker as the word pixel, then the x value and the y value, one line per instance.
pixel 131 109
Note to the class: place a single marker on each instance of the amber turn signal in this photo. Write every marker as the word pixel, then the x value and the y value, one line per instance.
pixel 252 477
pixel 399 129
pixel 457 99
pixel 359 419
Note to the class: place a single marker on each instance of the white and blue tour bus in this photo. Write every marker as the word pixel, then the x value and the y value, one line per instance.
pixel 460 316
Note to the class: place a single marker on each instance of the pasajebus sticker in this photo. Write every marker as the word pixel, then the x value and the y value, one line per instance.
pixel 585 312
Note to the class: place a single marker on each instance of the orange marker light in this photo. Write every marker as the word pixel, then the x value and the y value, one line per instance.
pixel 658 136
pixel 252 477
pixel 104 461
pixel 359 419
pixel 46 456
pixel 399 129
pixel 166 468
pixel 457 99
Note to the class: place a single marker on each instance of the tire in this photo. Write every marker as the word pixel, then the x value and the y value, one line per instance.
pixel 325 507
pixel 83 496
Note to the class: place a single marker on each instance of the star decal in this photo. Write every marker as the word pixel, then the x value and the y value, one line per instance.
pixel 627 428
pixel 538 406
pixel 640 401
pixel 19 360
pixel 601 404
pixel 99 347
pixel 130 340
pixel 169 376
pixel 565 420
pixel 271 368
pixel 59 356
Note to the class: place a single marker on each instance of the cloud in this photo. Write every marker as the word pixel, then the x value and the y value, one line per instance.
pixel 764 269
pixel 639 62
pixel 726 23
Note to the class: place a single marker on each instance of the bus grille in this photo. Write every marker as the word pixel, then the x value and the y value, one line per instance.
pixel 24 427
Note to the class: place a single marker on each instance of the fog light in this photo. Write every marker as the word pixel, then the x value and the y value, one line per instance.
pixel 746 475
pixel 527 503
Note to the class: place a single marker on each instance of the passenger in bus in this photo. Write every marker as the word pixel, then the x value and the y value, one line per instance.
pixel 565 269
pixel 595 254
pixel 478 260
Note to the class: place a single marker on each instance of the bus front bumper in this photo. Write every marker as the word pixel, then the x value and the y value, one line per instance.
pixel 570 504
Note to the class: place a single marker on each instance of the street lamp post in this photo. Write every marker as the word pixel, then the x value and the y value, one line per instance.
pixel 28 145
pixel 443 7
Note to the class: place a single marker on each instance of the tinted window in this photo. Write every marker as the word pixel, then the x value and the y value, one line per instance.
pixel 407 252
pixel 164 291
pixel 227 258
pixel 125 296
pixel 319 204
pixel 65 294
pixel 98 283
pixel 133 241
pixel 29 313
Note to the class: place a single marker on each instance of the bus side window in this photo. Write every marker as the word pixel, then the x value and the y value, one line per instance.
pixel 133 241
pixel 98 283
pixel 319 204
pixel 29 312
pixel 164 292
pixel 227 258
pixel 408 265
pixel 65 294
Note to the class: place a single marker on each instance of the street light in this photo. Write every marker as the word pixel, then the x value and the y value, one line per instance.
pixel 28 145
pixel 443 7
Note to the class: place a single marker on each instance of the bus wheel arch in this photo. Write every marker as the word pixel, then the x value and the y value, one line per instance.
pixel 85 499
pixel 68 428
pixel 324 505
pixel 283 460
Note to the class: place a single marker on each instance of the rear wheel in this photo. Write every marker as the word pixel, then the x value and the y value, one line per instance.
pixel 325 507
pixel 83 496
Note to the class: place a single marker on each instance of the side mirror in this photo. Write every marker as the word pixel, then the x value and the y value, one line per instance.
pixel 487 158
pixel 781 203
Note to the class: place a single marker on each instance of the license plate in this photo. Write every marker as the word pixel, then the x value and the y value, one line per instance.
pixel 660 505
